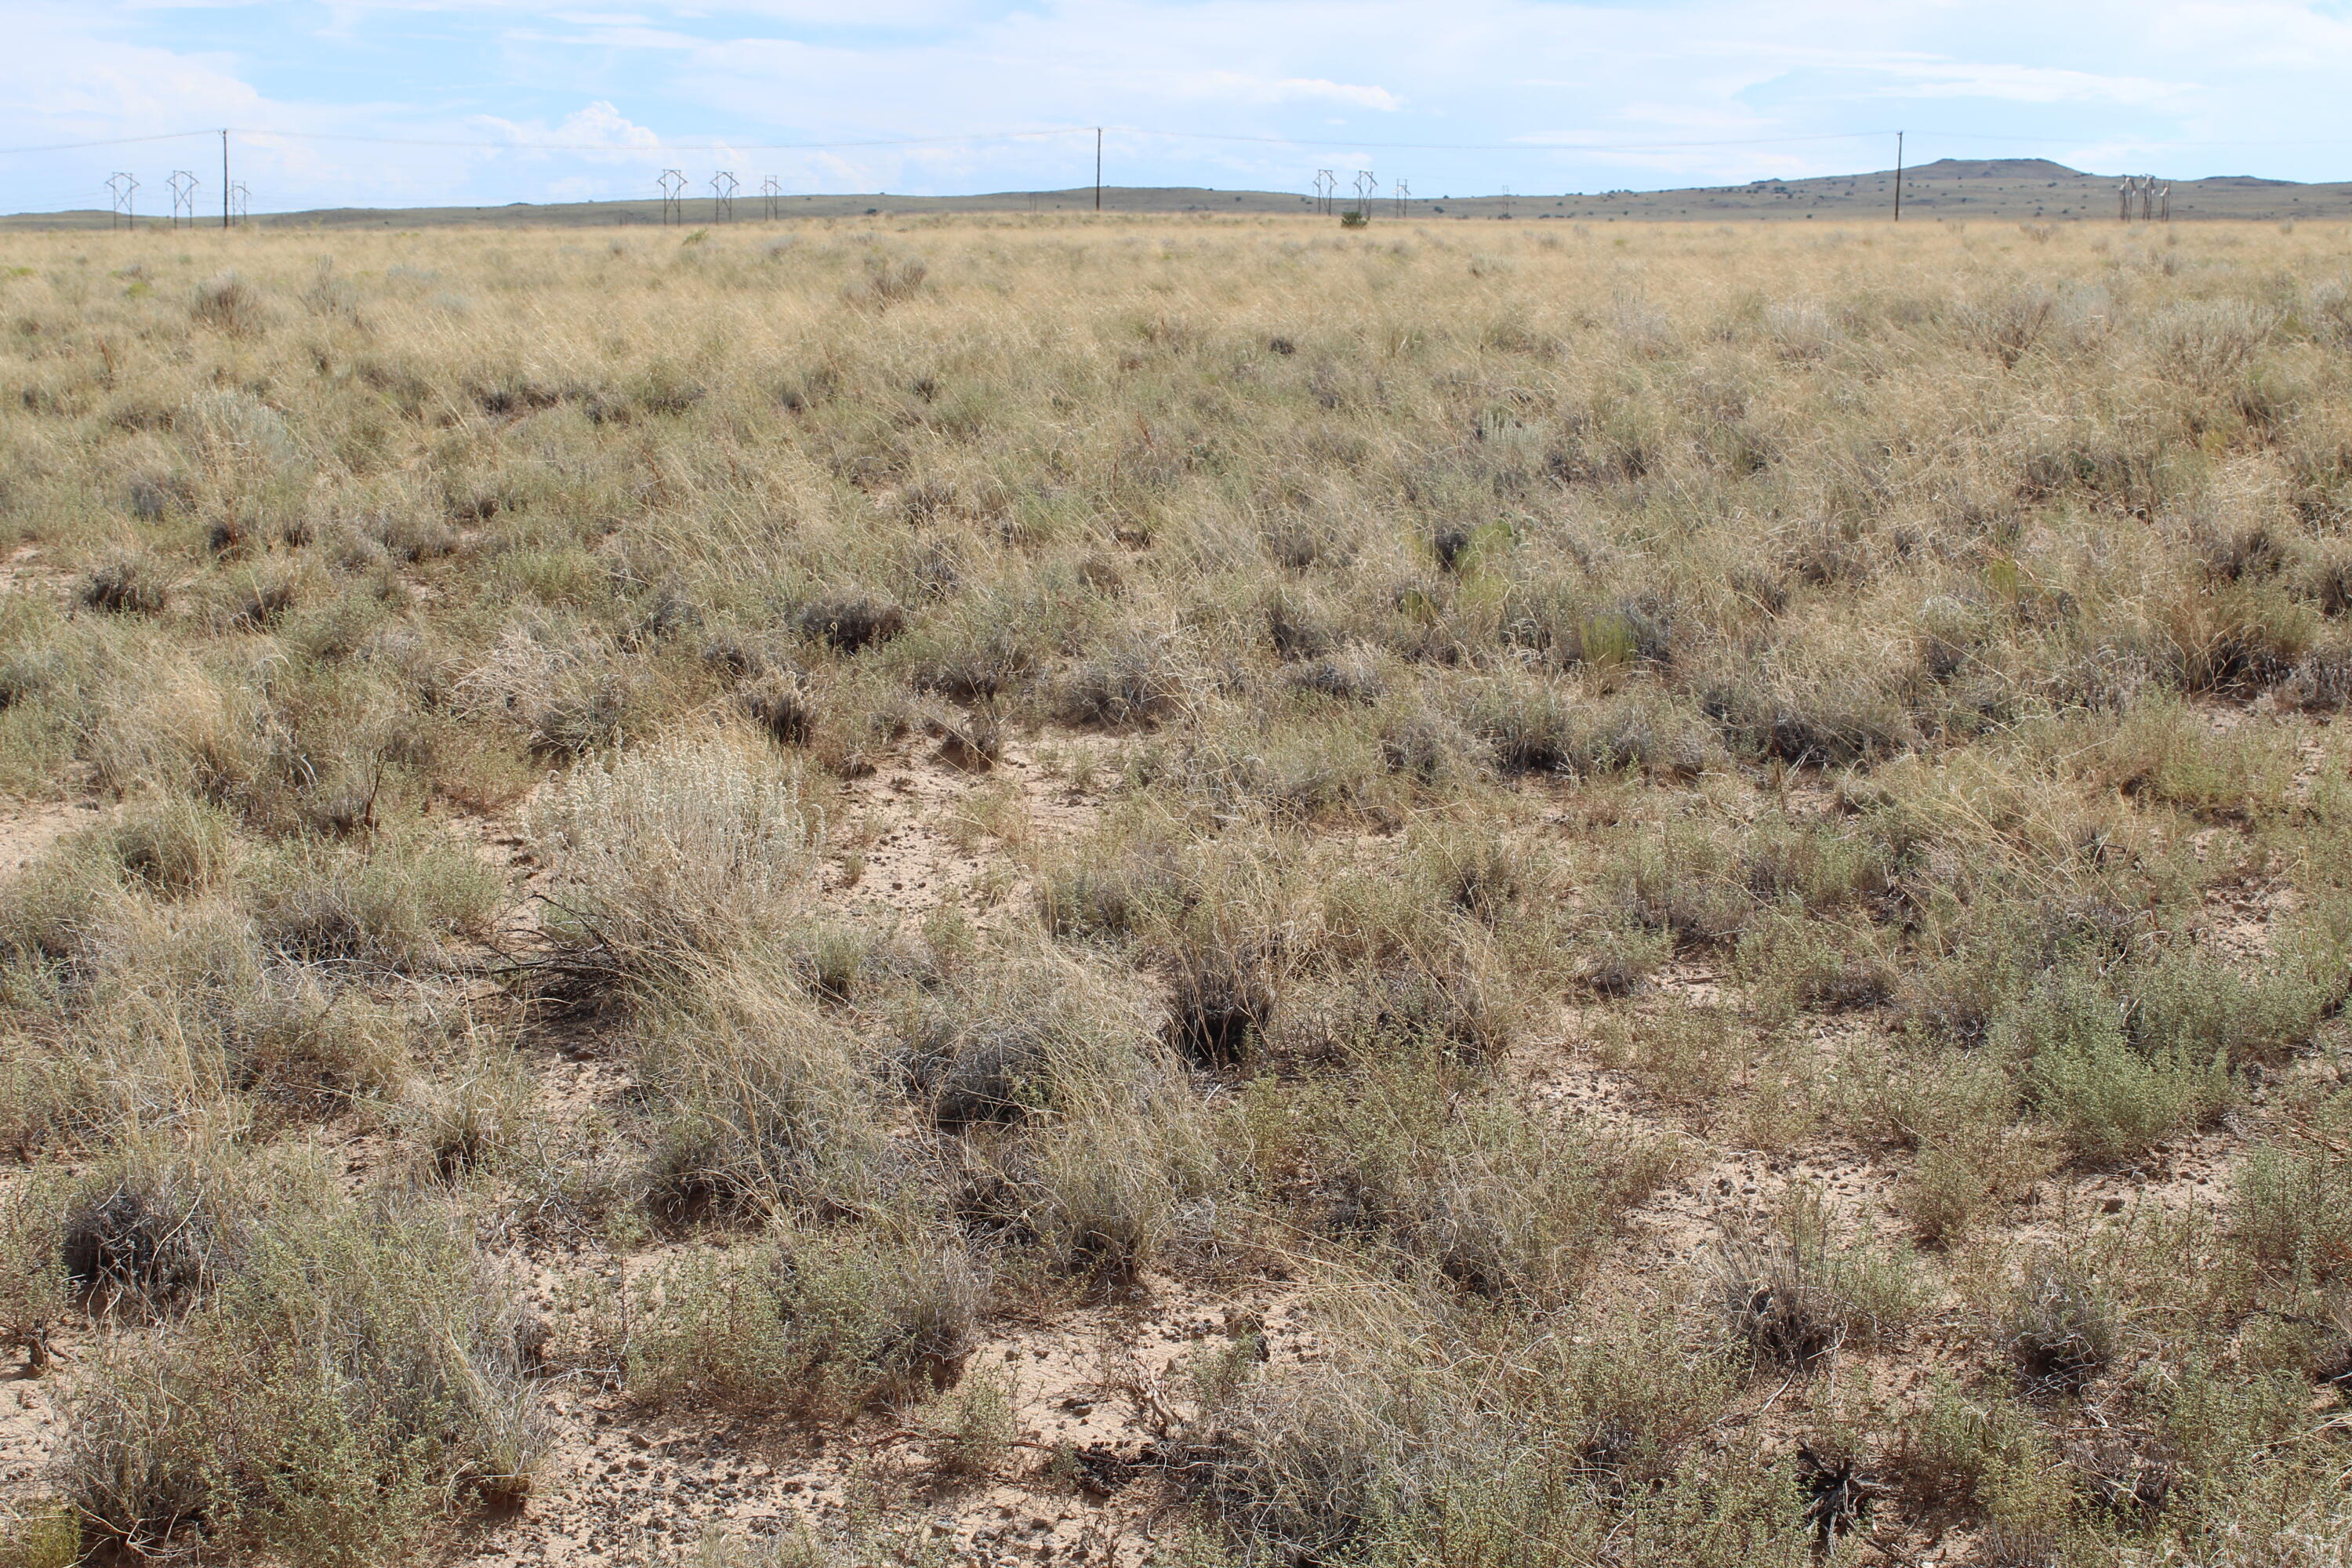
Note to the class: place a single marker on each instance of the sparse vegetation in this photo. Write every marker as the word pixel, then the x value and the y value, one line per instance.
pixel 1674 898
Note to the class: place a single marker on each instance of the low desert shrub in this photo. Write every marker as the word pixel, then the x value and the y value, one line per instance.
pixel 849 622
pixel 356 1367
pixel 39 1532
pixel 824 1320
pixel 2059 1328
pixel 128 585
pixel 36 1290
pixel 1415 1152
pixel 2106 1099
pixel 1138 679
pixel 152 1227
pixel 227 303
pixel 2291 1210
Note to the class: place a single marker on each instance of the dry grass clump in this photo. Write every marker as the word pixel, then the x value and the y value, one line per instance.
pixel 1072 1127
pixel 395 902
pixel 1789 1292
pixel 665 857
pixel 1518 1444
pixel 772 1104
pixel 1419 1154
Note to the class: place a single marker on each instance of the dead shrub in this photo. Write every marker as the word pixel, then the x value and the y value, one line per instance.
pixel 850 622
pixel 128 585
pixel 2059 1328
pixel 227 303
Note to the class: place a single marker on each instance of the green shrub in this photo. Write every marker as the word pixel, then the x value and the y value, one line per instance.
pixel 2291 1209
pixel 40 1534
pixel 2106 1099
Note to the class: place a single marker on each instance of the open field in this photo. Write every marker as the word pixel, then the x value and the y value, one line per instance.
pixel 1016 890
pixel 1949 190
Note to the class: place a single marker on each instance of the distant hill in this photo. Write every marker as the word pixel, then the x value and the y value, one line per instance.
pixel 2020 189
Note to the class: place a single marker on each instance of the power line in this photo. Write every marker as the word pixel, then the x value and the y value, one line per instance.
pixel 665 148
pixel 109 142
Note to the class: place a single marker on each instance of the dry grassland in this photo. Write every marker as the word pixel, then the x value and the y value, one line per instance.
pixel 1164 891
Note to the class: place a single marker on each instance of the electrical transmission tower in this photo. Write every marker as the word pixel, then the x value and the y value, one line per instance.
pixel 1365 186
pixel 120 186
pixel 723 196
pixel 2144 197
pixel 773 193
pixel 240 203
pixel 183 198
pixel 1326 181
pixel 1404 195
pixel 673 192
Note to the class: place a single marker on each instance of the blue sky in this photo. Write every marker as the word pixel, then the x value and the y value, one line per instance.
pixel 1524 95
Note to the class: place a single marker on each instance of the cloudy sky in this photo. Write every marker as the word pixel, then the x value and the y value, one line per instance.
pixel 406 101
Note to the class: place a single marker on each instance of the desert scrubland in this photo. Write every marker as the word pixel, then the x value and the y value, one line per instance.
pixel 1176 890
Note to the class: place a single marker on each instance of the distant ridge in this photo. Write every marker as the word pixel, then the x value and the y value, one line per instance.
pixel 2021 189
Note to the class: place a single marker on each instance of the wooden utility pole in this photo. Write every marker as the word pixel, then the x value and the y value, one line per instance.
pixel 224 178
pixel 1898 176
pixel 1098 168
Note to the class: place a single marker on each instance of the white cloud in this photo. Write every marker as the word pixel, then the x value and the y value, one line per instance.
pixel 1233 87
pixel 598 125
pixel 2032 84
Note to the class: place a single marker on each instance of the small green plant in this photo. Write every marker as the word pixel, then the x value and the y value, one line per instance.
pixel 40 1534
pixel 976 1423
